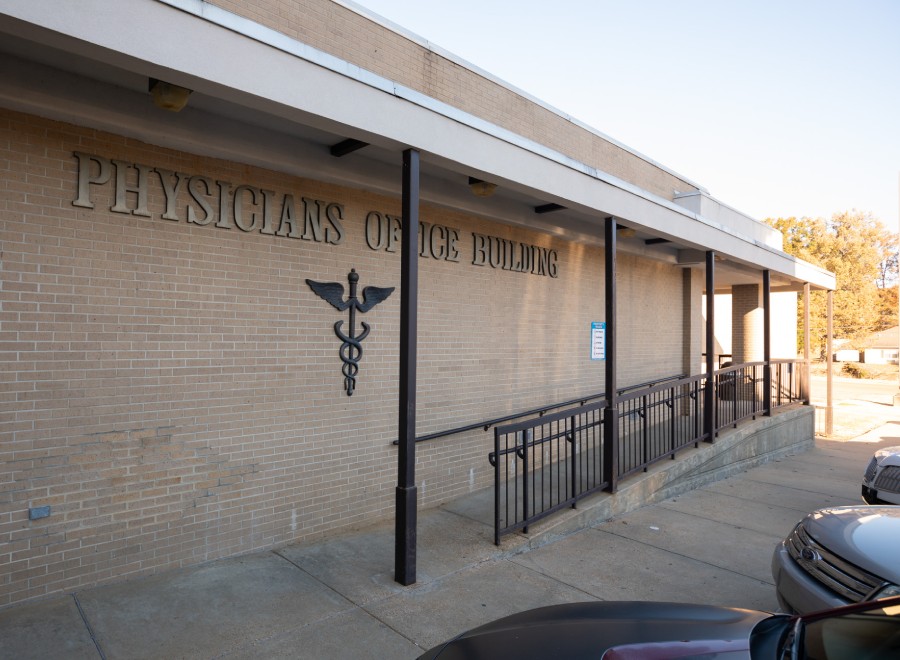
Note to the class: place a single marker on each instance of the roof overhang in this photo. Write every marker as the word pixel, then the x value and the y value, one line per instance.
pixel 265 99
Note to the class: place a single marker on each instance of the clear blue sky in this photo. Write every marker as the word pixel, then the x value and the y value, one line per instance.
pixel 778 108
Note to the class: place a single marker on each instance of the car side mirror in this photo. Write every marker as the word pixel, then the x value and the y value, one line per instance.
pixel 864 630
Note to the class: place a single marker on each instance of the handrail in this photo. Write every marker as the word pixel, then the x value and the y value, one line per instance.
pixel 543 464
pixel 582 400
pixel 657 386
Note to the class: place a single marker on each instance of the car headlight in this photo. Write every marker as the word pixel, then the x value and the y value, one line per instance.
pixel 887 592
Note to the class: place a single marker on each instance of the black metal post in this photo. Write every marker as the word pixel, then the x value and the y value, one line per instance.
pixel 767 345
pixel 699 401
pixel 611 412
pixel 405 521
pixel 738 379
pixel 572 438
pixel 829 355
pixel 496 464
pixel 527 479
pixel 805 387
pixel 645 431
pixel 673 414
pixel 709 395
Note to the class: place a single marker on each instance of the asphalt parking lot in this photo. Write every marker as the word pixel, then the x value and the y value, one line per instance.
pixel 337 599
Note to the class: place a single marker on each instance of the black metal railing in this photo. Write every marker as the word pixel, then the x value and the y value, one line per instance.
pixel 787 382
pixel 740 393
pixel 544 464
pixel 654 423
pixel 540 411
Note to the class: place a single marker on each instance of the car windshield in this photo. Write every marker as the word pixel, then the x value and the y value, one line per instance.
pixel 868 631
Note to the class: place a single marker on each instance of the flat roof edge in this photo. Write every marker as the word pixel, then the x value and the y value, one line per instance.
pixel 767 257
pixel 437 50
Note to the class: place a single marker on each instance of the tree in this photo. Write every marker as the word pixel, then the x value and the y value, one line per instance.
pixel 887 269
pixel 862 254
pixel 887 307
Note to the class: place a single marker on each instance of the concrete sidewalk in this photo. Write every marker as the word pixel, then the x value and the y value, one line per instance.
pixel 337 599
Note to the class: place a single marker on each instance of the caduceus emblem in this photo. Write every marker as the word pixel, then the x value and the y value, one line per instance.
pixel 351 349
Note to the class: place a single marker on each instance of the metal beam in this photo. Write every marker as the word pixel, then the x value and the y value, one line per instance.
pixel 767 344
pixel 805 393
pixel 405 520
pixel 709 394
pixel 829 401
pixel 611 413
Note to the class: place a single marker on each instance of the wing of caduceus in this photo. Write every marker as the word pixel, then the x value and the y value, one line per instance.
pixel 372 295
pixel 331 292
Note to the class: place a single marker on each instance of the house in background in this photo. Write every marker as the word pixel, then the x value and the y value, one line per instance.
pixel 882 347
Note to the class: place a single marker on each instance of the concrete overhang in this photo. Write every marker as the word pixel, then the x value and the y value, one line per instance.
pixel 266 99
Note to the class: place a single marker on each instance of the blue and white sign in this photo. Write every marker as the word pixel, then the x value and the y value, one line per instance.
pixel 598 340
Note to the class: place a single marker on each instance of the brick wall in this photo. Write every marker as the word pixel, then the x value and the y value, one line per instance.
pixel 339 31
pixel 693 325
pixel 176 391
pixel 747 323
pixel 172 390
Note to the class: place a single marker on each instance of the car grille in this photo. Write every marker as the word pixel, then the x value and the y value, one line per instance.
pixel 889 479
pixel 843 578
pixel 870 471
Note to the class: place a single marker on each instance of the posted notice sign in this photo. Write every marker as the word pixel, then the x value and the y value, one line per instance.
pixel 598 340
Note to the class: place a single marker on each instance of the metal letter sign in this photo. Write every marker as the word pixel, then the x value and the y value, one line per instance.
pixel 351 349
pixel 598 340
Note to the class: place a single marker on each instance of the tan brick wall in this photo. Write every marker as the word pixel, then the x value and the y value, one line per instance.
pixel 650 320
pixel 693 325
pixel 746 323
pixel 343 33
pixel 173 391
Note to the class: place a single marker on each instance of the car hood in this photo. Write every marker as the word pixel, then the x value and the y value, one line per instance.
pixel 888 456
pixel 867 536
pixel 587 630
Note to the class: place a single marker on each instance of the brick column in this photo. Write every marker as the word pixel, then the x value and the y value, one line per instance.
pixel 692 321
pixel 746 323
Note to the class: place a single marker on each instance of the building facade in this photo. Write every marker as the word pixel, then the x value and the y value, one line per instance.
pixel 176 390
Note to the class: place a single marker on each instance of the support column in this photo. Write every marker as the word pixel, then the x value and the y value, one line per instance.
pixel 709 394
pixel 692 321
pixel 805 391
pixel 829 402
pixel 405 518
pixel 747 314
pixel 767 345
pixel 897 393
pixel 611 412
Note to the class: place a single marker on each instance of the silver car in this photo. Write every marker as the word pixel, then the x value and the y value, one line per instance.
pixel 838 556
pixel 881 481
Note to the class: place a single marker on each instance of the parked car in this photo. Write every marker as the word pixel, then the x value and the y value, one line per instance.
pixel 838 556
pixel 881 481
pixel 647 631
